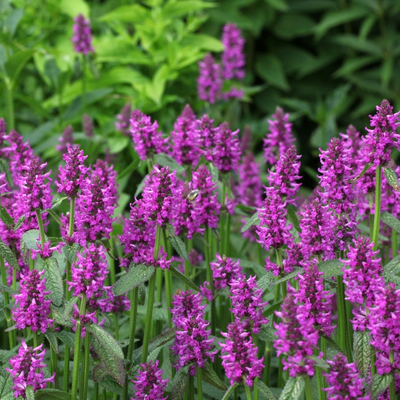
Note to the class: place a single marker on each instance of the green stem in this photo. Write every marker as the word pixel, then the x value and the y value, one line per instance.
pixel 341 313
pixel 349 332
pixel 75 373
pixel 323 349
pixel 191 388
pixel 11 334
pixel 86 371
pixel 377 214
pixel 41 227
pixel 247 389
pixel 227 228
pixel 167 277
pixel 280 265
pixel 222 220
pixel 53 364
pixel 199 384
pixel 229 392
pixel 308 391
pixel 10 106
pixel 96 391
pixel 394 243
pixel 84 83
pixel 392 386
pixel 35 339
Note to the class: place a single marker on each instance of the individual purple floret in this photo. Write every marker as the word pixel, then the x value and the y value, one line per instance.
pixel 317 301
pixel 31 308
pixel 72 175
pixel 148 383
pixel 224 270
pixel 206 133
pixel 113 304
pixel 286 175
pixel 192 343
pixel 66 139
pixel 247 305
pixel 343 380
pixel 273 231
pixel 87 125
pixel 82 39
pixel 239 355
pixel 123 124
pixel 226 151
pixel 185 148
pixel 195 257
pixel 379 141
pixel 280 138
pixel 385 328
pixel 296 337
pixel 89 272
pixel 209 82
pixel 233 61
pixel 147 139
pixel 234 93
pixel 27 369
pixel 208 205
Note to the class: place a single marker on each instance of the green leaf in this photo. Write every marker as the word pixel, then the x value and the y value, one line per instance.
pixel 331 268
pixel 320 362
pixel 210 376
pixel 164 160
pixel 365 169
pixel 267 333
pixel 132 13
pixel 392 267
pixel 109 351
pixel 8 255
pixel 357 43
pixel 52 394
pixel 15 63
pixel 6 384
pixel 141 294
pixel 51 337
pixel 228 393
pixel 30 239
pixel 63 315
pixel 203 42
pixel 7 289
pixel 129 169
pixel 265 390
pixel 177 9
pixel 184 279
pixel 391 220
pixel 275 307
pixel 5 217
pixel 177 243
pixel 179 383
pixel 293 389
pixel 290 26
pixel 19 223
pixel 53 280
pixel 117 143
pixel 379 384
pixel 331 342
pixel 279 5
pixel 29 393
pixel 288 276
pixel 291 213
pixel 68 338
pixel 99 372
pixel 392 178
pixel 58 202
pixel 270 68
pixel 70 252
pixel 362 351
pixel 74 7
pixel 352 65
pixel 253 220
pixel 136 275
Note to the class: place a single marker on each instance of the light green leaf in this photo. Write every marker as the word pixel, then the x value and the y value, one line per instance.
pixel 29 393
pixel 15 63
pixel 51 337
pixel 164 160
pixel 74 7
pixel 391 220
pixel 132 13
pixel 184 278
pixel 291 213
pixel 362 352
pixel 265 390
pixel 392 178
pixel 288 276
pixel 270 68
pixel 179 383
pixel 210 376
pixel 53 280
pixel 253 220
pixel 202 42
pixel 179 8
pixel 5 217
pixel 8 255
pixel 331 268
pixel 51 394
pixel 293 389
pixel 136 275
pixel 379 384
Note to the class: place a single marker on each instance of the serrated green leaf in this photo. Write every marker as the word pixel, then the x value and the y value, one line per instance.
pixel 265 390
pixel 106 340
pixel 6 384
pixel 141 294
pixel 267 333
pixel 111 385
pixel 8 255
pixel 5 217
pixel 273 308
pixel 362 351
pixel 15 63
pixel 51 337
pixel 179 246
pixel 179 383
pixel 52 394
pixel 331 342
pixel 391 220
pixel 331 268
pixel 68 338
pixel 29 393
pixel 291 213
pixel 379 384
pixel 293 389
pixel 320 362
pixel 228 393
pixel 164 160
pixel 288 276
pixel 184 279
pixel 99 372
pixel 253 220
pixel 255 267
pixel 135 276
pixel 53 280
pixel 7 289
pixel 265 282
pixel 210 376
pixel 129 169
pixel 19 223
pixel 58 202
pixel 392 178
pixel 30 239
pixel 70 252
pixel 364 170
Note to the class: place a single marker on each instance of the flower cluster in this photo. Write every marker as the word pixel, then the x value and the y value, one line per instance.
pixel 31 307
pixel 226 152
pixel 66 139
pixel 82 39
pixel 209 82
pixel 206 133
pixel 224 270
pixel 233 60
pixel 87 125
pixel 123 120
pixel 27 369
pixel 192 343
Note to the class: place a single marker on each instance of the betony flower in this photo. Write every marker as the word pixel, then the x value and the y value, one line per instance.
pixel 239 355
pixel 226 150
pixel 233 59
pixel 206 133
pixel 209 82
pixel 147 139
pixel 148 383
pixel 225 270
pixel 31 307
pixel 113 304
pixel 66 139
pixel 27 369
pixel 280 138
pixel 87 125
pixel 123 120
pixel 82 39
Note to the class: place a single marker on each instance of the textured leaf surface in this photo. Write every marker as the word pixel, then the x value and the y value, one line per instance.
pixel 293 389
pixel 99 372
pixel 184 279
pixel 51 337
pixel 379 384
pixel 133 278
pixel 362 350
pixel 8 255
pixel 53 280
pixel 179 383
pixel 391 220
pixel 291 214
pixel 210 376
pixel 288 276
pixel 265 390
pixel 253 220
pixel 5 217
pixel 51 394
pixel 392 179
pixel 331 268
pixel 179 246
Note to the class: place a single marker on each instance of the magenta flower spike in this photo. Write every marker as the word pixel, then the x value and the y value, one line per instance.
pixel 82 39
pixel 113 304
pixel 66 139
pixel 226 151
pixel 224 271
pixel 87 125
pixel 280 138
pixel 206 133
pixel 148 383
pixel 209 82
pixel 233 59
pixel 31 307
pixel 239 355
pixel 123 123
pixel 27 369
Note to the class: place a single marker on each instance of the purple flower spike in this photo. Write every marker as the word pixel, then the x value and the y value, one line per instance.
pixel 192 343
pixel 224 271
pixel 246 302
pixel 185 148
pixel 27 369
pixel 113 304
pixel 233 61
pixel 208 205
pixel 87 125
pixel 123 124
pixel 66 139
pixel 343 380
pixel 240 355
pixel 209 83
pixel 226 152
pixel 296 337
pixel 380 140
pixel 149 384
pixel 72 175
pixel 147 139
pixel 206 132
pixel 31 308
pixel 280 138
pixel 82 39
